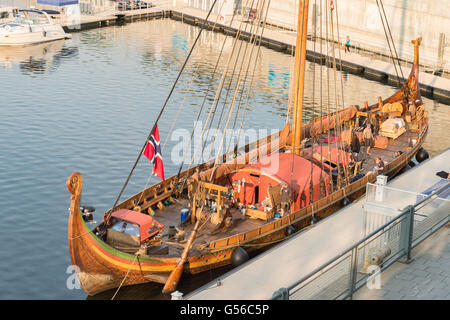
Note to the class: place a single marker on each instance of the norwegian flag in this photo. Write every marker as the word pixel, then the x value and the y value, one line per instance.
pixel 331 5
pixel 153 152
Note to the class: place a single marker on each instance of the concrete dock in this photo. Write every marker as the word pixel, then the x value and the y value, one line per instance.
pixel 365 65
pixel 107 18
pixel 430 85
pixel 427 277
pixel 297 257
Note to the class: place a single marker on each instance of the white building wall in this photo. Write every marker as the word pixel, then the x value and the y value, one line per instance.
pixel 360 20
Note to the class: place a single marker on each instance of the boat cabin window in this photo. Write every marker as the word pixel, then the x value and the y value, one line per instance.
pixel 254 175
pixel 126 227
pixel 31 17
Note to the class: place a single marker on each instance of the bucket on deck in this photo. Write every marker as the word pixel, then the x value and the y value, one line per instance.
pixel 184 215
pixel 171 232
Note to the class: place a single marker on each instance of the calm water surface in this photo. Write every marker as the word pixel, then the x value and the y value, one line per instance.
pixel 86 105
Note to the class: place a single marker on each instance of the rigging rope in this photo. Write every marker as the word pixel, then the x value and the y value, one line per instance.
pixel 245 80
pixel 232 104
pixel 392 39
pixel 204 99
pixel 336 101
pixel 338 125
pixel 328 94
pixel 214 102
pixel 258 53
pixel 182 103
pixel 346 161
pixel 252 43
pixel 191 82
pixel 291 69
pixel 389 43
pixel 311 184
pixel 297 98
pixel 229 85
pixel 322 192
pixel 340 57
pixel 161 112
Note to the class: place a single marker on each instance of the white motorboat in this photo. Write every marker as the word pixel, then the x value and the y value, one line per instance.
pixel 30 26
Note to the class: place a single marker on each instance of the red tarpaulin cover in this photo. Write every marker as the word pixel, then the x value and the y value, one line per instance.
pixel 144 221
pixel 258 176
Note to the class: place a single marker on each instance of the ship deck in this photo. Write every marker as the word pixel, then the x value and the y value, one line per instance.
pixel 170 215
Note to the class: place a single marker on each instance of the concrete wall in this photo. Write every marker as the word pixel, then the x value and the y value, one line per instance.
pixel 360 20
pixel 408 19
pixel 83 7
pixel 224 6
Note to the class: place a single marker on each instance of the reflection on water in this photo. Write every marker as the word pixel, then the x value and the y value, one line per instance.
pixel 152 291
pixel 87 104
pixel 38 58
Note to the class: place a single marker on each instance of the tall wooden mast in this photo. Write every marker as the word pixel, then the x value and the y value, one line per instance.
pixel 299 74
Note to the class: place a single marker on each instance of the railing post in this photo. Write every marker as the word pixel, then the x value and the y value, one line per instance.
pixel 406 233
pixel 353 271
pixel 281 294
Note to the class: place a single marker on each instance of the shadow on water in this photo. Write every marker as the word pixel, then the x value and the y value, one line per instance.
pixel 152 291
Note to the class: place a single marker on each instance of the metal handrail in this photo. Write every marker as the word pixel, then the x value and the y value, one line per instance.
pixel 404 212
pixel 432 194
pixel 346 251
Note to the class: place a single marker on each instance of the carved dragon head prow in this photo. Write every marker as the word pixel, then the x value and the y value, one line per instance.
pixel 74 183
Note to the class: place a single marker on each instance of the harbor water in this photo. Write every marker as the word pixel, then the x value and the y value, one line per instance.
pixel 87 104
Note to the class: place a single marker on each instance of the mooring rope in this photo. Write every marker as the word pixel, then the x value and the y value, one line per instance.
pixel 120 286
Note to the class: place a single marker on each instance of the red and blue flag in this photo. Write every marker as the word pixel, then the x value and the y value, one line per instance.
pixel 153 152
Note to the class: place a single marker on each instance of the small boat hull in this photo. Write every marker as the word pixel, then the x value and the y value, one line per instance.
pixel 39 34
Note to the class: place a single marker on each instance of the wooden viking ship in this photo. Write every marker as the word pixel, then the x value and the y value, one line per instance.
pixel 236 206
